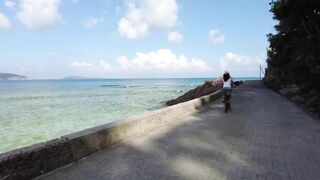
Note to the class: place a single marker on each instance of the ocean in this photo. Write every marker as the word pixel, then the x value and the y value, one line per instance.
pixel 39 110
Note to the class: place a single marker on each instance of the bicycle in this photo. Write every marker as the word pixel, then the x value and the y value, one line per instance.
pixel 227 100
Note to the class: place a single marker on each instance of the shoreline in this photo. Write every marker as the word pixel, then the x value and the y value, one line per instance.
pixel 79 117
pixel 36 159
pixel 101 79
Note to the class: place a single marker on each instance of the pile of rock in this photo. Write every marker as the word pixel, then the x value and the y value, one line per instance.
pixel 308 98
pixel 237 83
pixel 208 87
pixel 292 92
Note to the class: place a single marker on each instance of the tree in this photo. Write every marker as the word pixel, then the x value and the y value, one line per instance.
pixel 294 53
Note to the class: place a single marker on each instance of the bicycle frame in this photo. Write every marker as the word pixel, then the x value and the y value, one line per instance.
pixel 227 101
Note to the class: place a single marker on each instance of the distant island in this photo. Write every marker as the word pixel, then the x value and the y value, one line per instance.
pixel 9 76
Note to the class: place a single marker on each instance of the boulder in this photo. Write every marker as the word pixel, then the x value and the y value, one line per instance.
pixel 208 87
pixel 311 109
pixel 313 92
pixel 290 91
pixel 293 86
pixel 313 101
pixel 298 99
pixel 294 90
pixel 284 91
pixel 237 83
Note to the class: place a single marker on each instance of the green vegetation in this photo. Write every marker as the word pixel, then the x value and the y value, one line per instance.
pixel 294 53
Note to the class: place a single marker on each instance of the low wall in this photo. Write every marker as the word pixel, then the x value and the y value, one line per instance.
pixel 37 159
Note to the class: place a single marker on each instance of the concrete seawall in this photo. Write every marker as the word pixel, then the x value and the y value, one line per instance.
pixel 37 159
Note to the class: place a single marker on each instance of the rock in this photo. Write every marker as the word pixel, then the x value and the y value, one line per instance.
pixel 237 83
pixel 313 92
pixel 313 101
pixel 284 91
pixel 293 86
pixel 298 99
pixel 315 70
pixel 207 88
pixel 311 109
pixel 290 91
pixel 294 90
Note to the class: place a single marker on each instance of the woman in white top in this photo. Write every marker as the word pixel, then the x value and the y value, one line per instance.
pixel 226 90
pixel 227 80
pixel 227 83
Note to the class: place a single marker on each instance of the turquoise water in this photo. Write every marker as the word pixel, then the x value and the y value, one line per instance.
pixel 40 110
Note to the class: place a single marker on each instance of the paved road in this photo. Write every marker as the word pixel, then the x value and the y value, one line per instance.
pixel 264 137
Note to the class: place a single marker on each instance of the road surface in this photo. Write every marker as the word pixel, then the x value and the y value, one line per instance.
pixel 264 137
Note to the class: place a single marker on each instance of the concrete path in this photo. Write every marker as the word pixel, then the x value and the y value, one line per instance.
pixel 264 137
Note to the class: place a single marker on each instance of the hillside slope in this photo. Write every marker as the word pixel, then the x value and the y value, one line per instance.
pixel 9 76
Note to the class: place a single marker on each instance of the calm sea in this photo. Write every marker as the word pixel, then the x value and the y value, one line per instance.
pixel 40 110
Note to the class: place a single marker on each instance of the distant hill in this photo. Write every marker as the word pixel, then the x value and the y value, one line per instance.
pixel 74 77
pixel 9 76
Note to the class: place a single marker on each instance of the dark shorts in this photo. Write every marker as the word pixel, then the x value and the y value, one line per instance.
pixel 226 91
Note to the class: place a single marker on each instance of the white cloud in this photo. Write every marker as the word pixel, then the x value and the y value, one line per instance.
pixel 38 14
pixel 215 36
pixel 239 65
pixel 92 22
pixel 162 62
pixel 175 37
pixel 147 16
pixel 102 67
pixel 9 4
pixel 4 22
pixel 81 65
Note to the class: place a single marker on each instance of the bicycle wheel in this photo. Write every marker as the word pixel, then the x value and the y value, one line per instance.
pixel 226 106
pixel 229 103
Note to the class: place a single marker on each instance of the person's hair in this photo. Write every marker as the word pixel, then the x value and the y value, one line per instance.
pixel 226 76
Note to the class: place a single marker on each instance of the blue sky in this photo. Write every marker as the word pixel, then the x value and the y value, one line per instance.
pixel 133 38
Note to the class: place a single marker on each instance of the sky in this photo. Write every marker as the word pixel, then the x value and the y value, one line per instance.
pixel 49 39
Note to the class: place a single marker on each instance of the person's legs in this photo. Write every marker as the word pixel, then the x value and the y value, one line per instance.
pixel 227 97
pixel 224 93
